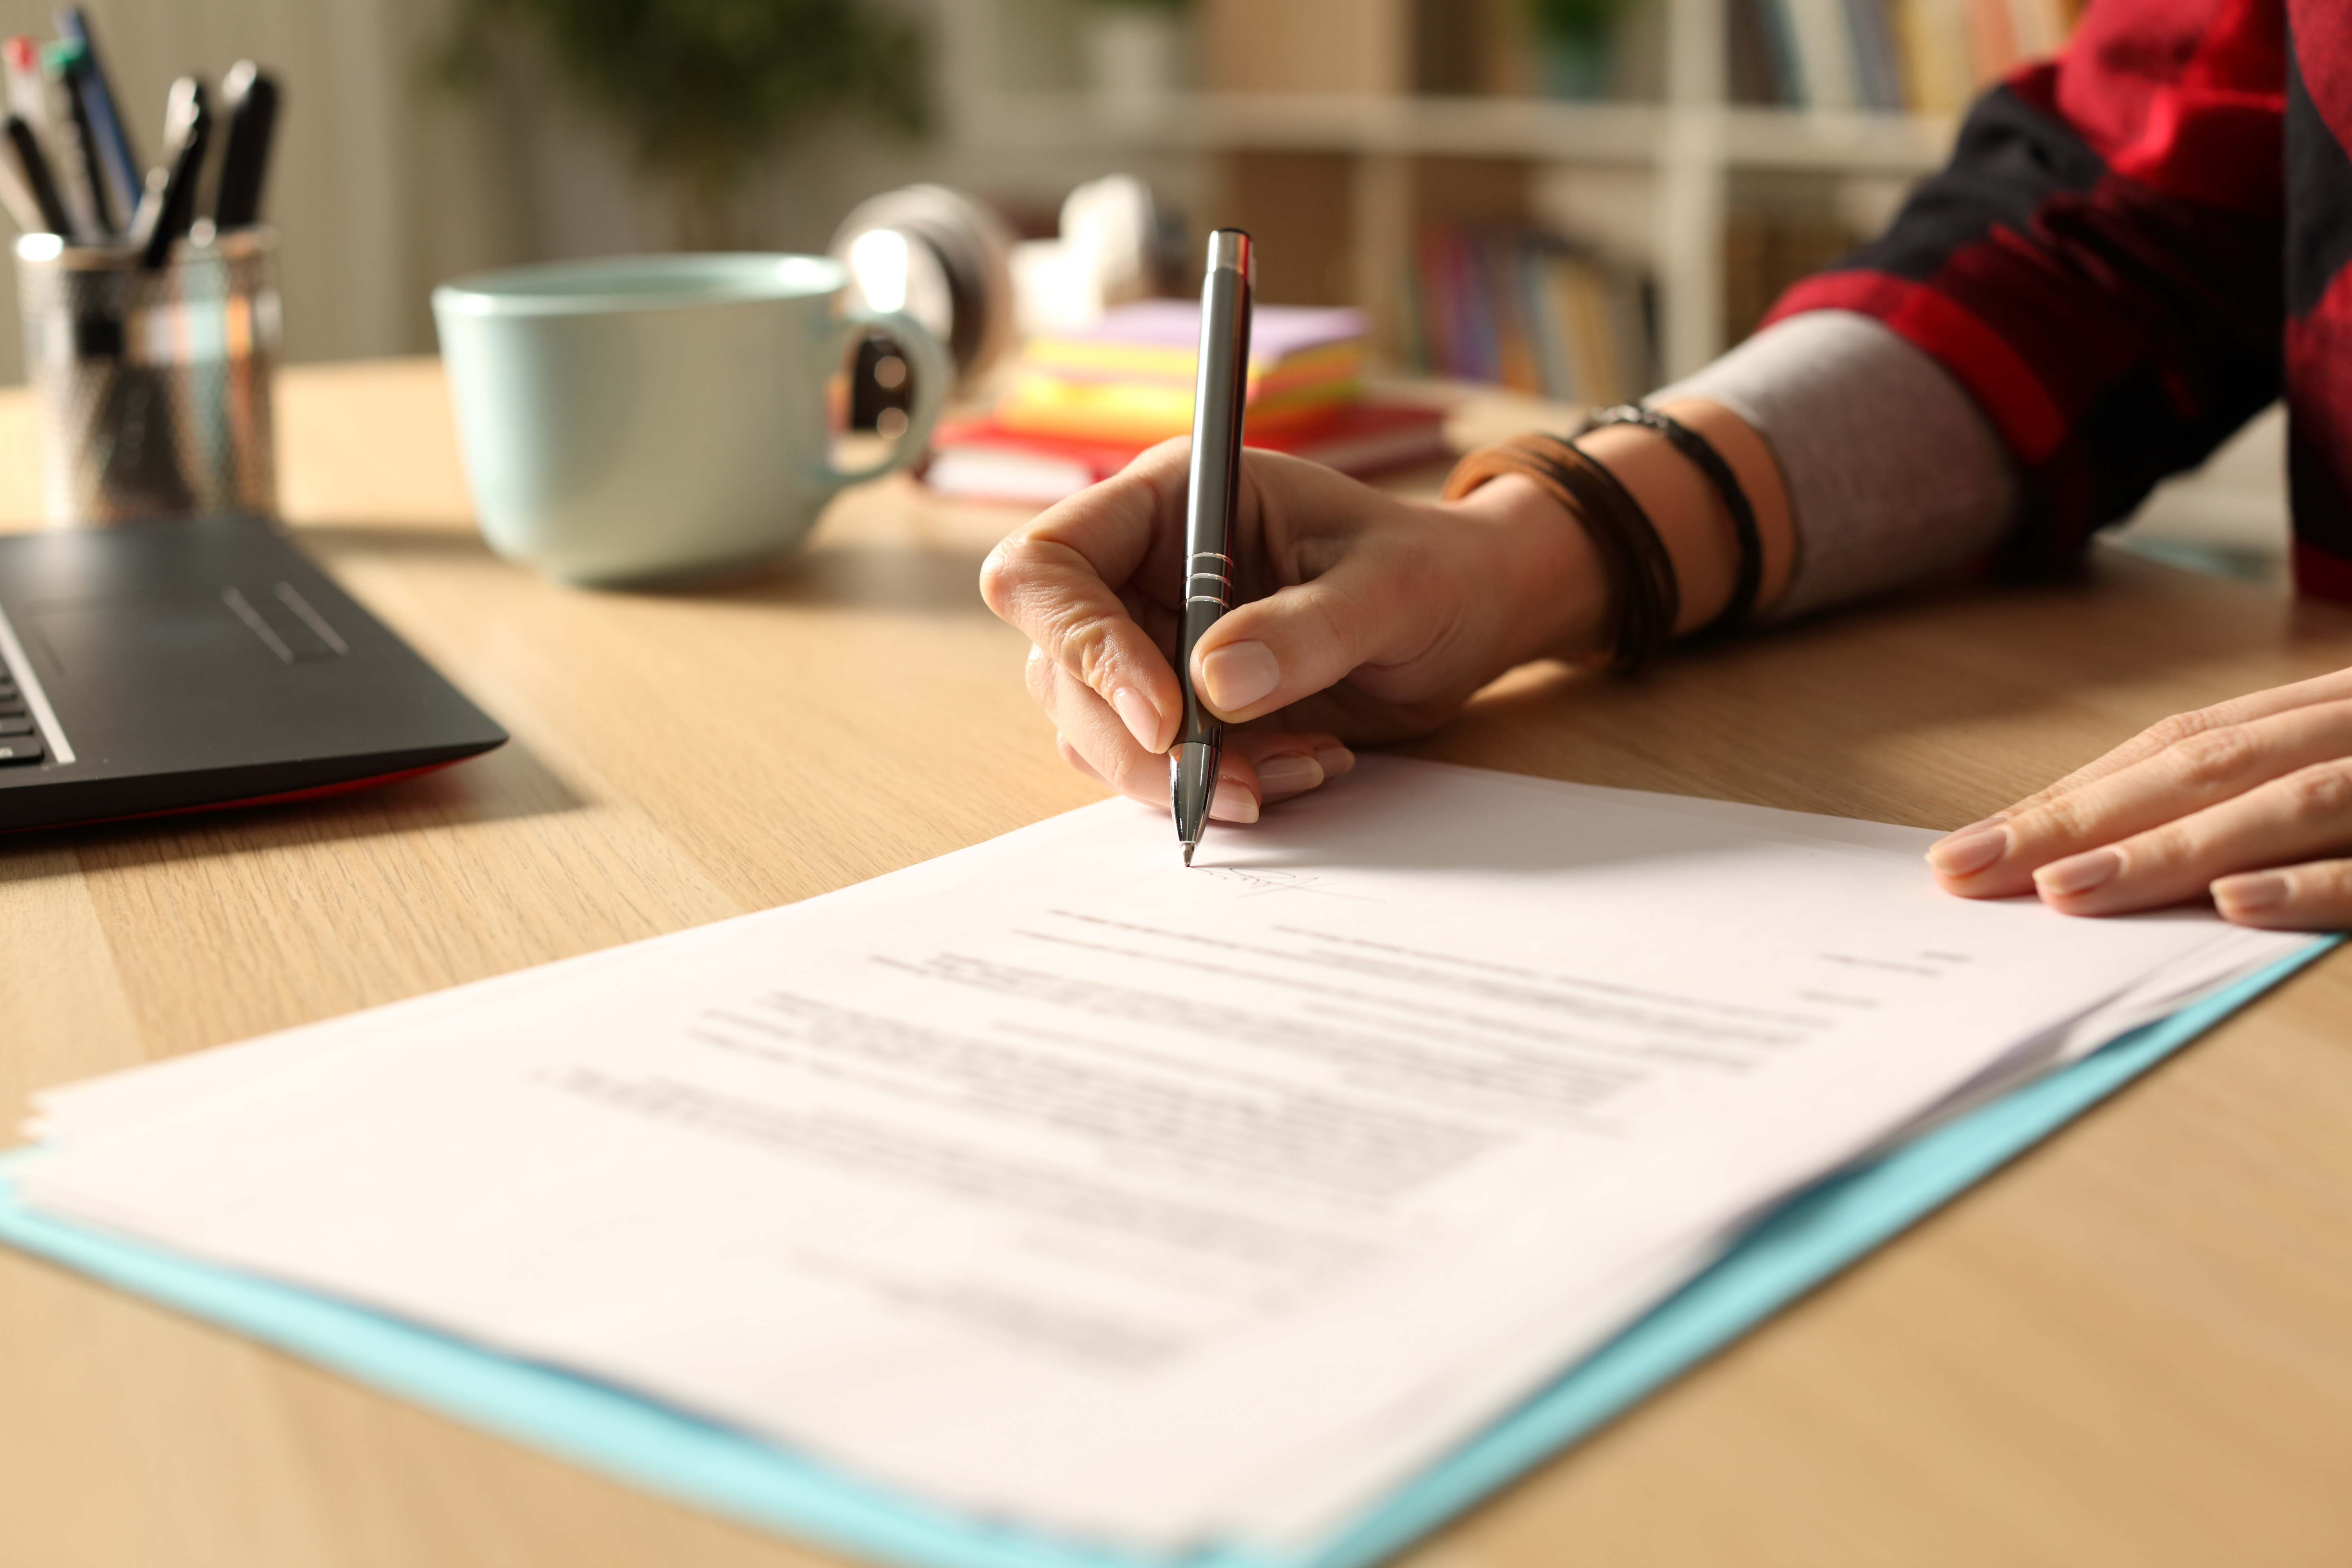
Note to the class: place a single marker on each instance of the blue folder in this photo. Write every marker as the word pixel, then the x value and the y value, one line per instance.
pixel 651 1445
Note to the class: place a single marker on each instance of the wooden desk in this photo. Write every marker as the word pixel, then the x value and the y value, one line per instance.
pixel 2133 1347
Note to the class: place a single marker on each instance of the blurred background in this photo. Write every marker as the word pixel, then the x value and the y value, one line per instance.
pixel 1573 199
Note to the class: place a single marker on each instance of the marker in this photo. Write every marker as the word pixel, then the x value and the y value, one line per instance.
pixel 32 165
pixel 16 196
pixel 61 135
pixel 20 62
pixel 107 125
pixel 65 64
pixel 249 104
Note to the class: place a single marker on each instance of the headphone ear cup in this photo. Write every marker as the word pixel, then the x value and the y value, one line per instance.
pixel 971 247
pixel 967 291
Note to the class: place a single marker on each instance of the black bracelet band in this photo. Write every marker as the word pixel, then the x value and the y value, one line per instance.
pixel 1645 600
pixel 1749 578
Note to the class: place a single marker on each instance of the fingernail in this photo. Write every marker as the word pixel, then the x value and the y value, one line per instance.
pixel 1232 802
pixel 1968 851
pixel 1289 774
pixel 1334 760
pixel 1238 674
pixel 1141 719
pixel 1995 820
pixel 2254 891
pixel 2079 873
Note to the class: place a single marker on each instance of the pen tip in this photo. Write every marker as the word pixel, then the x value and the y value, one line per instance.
pixel 1188 856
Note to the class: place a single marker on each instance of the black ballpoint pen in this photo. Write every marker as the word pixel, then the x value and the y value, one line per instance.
pixel 1210 498
pixel 169 204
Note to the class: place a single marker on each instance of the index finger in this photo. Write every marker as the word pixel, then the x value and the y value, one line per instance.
pixel 2162 736
pixel 1057 580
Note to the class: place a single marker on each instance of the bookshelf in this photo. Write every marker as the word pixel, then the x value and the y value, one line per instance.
pixel 1371 159
pixel 1337 140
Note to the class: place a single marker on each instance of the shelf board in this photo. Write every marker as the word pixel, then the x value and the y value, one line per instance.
pixel 1546 129
pixel 1836 140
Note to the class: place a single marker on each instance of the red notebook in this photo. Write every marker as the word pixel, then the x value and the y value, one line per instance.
pixel 982 460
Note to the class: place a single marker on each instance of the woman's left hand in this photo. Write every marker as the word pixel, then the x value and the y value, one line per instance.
pixel 2249 800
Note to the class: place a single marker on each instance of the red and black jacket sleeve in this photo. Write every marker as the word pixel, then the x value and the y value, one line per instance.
pixel 2101 266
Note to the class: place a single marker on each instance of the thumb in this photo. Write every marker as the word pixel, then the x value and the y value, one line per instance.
pixel 1375 606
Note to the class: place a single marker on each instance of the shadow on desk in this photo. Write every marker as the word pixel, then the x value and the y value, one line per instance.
pixel 917 579
pixel 1930 709
pixel 908 578
pixel 507 784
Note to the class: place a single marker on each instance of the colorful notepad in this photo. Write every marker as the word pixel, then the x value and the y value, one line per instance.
pixel 982 459
pixel 1129 377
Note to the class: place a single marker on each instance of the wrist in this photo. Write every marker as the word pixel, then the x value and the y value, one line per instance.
pixel 1690 515
pixel 1540 570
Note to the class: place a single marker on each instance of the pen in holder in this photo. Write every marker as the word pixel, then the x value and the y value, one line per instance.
pixel 154 383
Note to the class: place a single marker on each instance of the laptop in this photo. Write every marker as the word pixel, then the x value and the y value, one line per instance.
pixel 183 665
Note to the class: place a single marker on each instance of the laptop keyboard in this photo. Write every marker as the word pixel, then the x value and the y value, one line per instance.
pixel 19 741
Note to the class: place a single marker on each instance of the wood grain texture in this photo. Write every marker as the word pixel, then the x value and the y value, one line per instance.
pixel 2130 1347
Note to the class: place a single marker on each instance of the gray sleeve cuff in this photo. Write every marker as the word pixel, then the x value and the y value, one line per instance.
pixel 1893 473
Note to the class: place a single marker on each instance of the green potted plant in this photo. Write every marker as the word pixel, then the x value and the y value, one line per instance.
pixel 1574 38
pixel 705 89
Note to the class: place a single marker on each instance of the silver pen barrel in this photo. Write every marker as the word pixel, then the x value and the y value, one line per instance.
pixel 1210 499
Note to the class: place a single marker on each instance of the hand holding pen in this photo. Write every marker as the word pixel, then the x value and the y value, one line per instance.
pixel 1354 616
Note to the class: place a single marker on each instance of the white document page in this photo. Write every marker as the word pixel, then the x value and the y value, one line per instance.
pixel 1052 1181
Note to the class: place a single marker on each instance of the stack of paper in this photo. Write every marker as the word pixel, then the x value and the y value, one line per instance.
pixel 1054 1183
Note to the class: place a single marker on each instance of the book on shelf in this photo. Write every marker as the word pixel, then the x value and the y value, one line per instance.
pixel 1923 57
pixel 985 460
pixel 1767 249
pixel 1525 311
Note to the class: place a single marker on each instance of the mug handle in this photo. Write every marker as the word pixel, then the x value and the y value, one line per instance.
pixel 932 374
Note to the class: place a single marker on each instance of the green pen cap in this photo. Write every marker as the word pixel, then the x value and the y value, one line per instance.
pixel 60 56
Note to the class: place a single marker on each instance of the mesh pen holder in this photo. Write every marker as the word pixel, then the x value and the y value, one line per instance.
pixel 153 385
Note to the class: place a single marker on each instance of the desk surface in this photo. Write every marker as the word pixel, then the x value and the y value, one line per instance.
pixel 2130 1348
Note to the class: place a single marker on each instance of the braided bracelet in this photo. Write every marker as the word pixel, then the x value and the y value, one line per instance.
pixel 1644 599
pixel 1749 576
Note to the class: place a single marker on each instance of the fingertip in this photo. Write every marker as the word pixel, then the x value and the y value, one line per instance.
pixel 1995 820
pixel 1287 773
pixel 1966 852
pixel 1238 794
pixel 1331 753
pixel 1233 802
pixel 1235 676
pixel 2076 877
pixel 2314 897
pixel 2254 898
pixel 1142 718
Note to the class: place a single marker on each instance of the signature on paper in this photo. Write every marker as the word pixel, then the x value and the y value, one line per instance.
pixel 1263 879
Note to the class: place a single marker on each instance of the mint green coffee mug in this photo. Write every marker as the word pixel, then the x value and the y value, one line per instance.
pixel 640 417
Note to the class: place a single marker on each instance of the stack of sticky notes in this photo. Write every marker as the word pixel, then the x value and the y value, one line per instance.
pixel 1129 377
pixel 1084 403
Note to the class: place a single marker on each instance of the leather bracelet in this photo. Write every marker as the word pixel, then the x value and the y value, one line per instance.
pixel 1749 578
pixel 1645 599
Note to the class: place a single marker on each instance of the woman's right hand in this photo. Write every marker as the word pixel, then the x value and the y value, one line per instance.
pixel 1359 617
